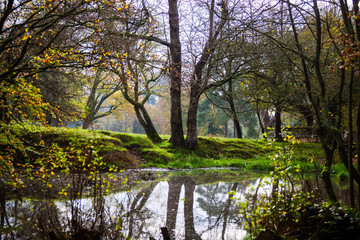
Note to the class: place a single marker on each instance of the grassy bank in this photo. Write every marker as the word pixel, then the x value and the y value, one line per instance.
pixel 136 151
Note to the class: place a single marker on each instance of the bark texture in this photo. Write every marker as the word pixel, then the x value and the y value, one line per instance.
pixel 177 132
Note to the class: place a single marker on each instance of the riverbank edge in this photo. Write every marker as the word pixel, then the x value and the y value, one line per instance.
pixel 129 151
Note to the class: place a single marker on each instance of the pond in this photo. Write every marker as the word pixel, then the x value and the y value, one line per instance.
pixel 144 204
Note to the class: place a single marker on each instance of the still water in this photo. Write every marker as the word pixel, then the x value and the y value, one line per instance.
pixel 191 205
pixel 200 204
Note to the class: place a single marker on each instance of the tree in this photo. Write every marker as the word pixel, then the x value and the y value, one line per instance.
pixel 37 37
pixel 198 82
pixel 63 91
pixel 350 60
pixel 102 87
pixel 138 77
pixel 132 74
pixel 177 132
pixel 130 57
pixel 324 85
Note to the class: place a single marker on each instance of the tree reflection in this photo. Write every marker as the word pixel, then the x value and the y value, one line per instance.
pixel 209 211
pixel 175 185
pixel 92 216
pixel 135 209
pixel 216 200
pixel 227 208
pixel 190 232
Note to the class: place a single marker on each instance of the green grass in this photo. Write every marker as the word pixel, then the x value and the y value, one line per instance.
pixel 212 152
pixel 62 136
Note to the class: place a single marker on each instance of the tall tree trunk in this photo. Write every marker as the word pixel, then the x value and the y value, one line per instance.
pixel 237 126
pixel 259 118
pixel 177 132
pixel 328 145
pixel 233 111
pixel 191 138
pixel 226 130
pixel 145 121
pixel 278 136
pixel 325 175
pixel 198 83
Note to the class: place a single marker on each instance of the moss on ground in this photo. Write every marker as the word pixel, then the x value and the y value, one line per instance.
pixel 136 150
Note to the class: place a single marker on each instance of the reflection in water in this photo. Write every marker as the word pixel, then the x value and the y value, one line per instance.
pixel 188 207
pixel 188 210
pixel 173 204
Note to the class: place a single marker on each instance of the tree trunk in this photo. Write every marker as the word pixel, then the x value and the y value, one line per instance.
pixel 226 129
pixel 329 148
pixel 198 83
pixel 177 133
pixel 87 121
pixel 259 118
pixel 326 176
pixel 309 118
pixel 191 138
pixel 145 121
pixel 278 136
pixel 237 126
pixel 318 105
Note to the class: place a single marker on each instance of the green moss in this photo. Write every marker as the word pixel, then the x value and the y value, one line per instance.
pixel 130 140
pixel 63 136
pixel 156 155
pixel 211 151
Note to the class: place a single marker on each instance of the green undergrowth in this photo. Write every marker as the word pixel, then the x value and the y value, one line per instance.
pixel 212 152
pixel 62 136
pixel 141 146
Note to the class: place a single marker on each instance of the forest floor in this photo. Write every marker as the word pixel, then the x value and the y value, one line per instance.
pixel 125 150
